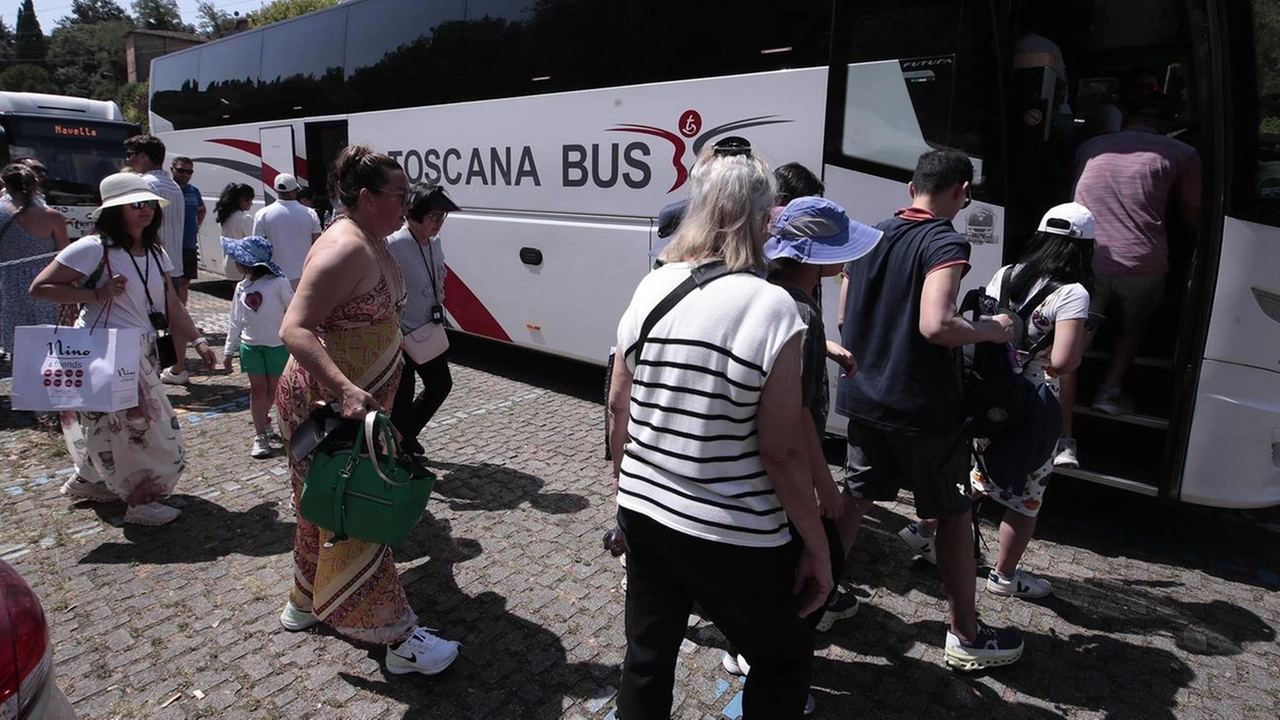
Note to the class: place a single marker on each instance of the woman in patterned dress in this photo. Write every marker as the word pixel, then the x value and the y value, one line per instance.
pixel 343 331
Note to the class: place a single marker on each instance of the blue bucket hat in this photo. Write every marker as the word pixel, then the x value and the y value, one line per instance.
pixel 250 251
pixel 816 231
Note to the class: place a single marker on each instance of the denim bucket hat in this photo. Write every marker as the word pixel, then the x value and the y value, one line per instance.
pixel 250 251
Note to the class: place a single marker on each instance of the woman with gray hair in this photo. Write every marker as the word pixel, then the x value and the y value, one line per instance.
pixel 714 492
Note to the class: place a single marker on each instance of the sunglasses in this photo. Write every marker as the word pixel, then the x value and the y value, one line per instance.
pixel 404 195
pixel 732 146
pixel 968 198
pixel 139 204
pixel 183 171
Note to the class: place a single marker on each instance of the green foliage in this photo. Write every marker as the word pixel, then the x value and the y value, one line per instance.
pixel 6 41
pixel 88 59
pixel 214 23
pixel 278 10
pixel 29 44
pixel 27 78
pixel 160 15
pixel 132 99
pixel 87 12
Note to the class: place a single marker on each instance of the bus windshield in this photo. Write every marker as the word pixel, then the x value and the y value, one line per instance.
pixel 77 154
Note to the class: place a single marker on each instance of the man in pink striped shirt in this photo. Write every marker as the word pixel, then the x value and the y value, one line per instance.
pixel 1128 180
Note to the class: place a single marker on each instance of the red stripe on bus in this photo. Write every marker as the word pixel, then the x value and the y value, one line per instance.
pixel 255 149
pixel 467 309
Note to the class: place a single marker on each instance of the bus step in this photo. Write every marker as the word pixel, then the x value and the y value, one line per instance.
pixel 1149 421
pixel 1144 360
pixel 1109 480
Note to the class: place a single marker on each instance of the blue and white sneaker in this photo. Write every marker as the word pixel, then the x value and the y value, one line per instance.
pixel 1022 584
pixel 990 648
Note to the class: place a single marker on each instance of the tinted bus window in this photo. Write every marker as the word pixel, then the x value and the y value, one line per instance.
pixel 910 77
pixel 392 54
pixel 229 79
pixel 303 65
pixel 552 46
pixel 175 87
pixel 702 38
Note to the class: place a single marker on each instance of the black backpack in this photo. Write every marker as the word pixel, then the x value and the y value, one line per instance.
pixel 995 393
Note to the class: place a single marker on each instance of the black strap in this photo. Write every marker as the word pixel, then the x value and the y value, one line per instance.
pixel 1026 309
pixel 698 277
pixel 431 266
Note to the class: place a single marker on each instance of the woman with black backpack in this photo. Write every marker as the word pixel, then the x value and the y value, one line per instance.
pixel 1055 275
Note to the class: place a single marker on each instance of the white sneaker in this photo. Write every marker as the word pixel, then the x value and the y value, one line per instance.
pixel 1065 457
pixel 261 447
pixel 1022 584
pixel 274 439
pixel 735 665
pixel 1113 402
pixel 81 489
pixel 421 653
pixel 293 619
pixel 168 377
pixel 922 545
pixel 152 513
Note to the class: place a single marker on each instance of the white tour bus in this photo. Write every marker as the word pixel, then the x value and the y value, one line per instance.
pixel 563 126
pixel 79 141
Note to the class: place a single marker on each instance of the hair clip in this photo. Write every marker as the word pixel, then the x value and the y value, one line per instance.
pixel 732 146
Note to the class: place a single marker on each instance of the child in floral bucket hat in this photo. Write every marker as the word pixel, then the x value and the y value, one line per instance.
pixel 253 332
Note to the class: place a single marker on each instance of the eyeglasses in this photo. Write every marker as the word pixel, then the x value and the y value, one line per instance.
pixel 732 146
pixel 437 216
pixel 139 204
pixel 968 198
pixel 404 195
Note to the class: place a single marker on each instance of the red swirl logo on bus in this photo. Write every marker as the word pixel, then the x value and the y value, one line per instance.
pixel 689 125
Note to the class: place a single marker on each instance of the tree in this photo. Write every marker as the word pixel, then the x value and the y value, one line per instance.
pixel 27 78
pixel 214 23
pixel 87 59
pixel 160 15
pixel 278 10
pixel 132 99
pixel 88 12
pixel 29 44
pixel 6 41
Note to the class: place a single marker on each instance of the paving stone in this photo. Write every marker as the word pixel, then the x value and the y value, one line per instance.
pixel 1161 610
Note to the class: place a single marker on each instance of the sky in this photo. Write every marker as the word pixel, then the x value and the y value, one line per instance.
pixel 49 11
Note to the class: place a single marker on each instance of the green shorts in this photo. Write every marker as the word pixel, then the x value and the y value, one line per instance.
pixel 263 359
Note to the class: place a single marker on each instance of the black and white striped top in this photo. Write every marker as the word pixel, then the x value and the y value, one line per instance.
pixel 692 462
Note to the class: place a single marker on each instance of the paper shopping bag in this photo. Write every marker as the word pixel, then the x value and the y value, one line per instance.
pixel 64 368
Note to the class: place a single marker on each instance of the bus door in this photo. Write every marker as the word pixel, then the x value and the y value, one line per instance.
pixel 324 141
pixel 908 77
pixel 277 155
pixel 1233 432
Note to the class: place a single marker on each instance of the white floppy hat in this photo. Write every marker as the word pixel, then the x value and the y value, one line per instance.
pixel 123 188
pixel 1071 219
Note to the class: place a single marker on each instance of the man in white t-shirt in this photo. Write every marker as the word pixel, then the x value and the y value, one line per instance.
pixel 145 156
pixel 290 226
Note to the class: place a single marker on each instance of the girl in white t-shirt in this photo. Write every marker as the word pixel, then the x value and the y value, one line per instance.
pixel 1060 252
pixel 234 220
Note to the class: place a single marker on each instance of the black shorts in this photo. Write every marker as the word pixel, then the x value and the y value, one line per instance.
pixel 933 466
pixel 190 263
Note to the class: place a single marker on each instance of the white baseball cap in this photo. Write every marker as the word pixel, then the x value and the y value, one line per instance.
pixel 1071 219
pixel 285 182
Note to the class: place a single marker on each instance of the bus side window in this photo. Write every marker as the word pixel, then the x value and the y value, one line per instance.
pixel 911 77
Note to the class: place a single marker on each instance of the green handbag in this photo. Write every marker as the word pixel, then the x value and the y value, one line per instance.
pixel 356 493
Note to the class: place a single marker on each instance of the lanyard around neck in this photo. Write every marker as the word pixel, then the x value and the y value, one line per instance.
pixel 431 266
pixel 145 277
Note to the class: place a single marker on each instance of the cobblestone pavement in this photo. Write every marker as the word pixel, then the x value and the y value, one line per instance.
pixel 1161 610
